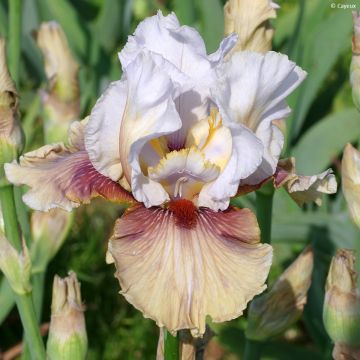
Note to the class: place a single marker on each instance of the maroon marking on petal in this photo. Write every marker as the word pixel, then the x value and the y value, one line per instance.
pixel 185 212
pixel 232 224
pixel 88 183
pixel 280 176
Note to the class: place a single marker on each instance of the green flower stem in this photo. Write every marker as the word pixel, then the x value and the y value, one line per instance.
pixel 22 214
pixel 26 309
pixel 7 300
pixel 14 35
pixel 12 230
pixel 252 350
pixel 38 282
pixel 171 346
pixel 264 202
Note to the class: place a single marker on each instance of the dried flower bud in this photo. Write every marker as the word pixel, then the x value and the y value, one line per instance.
pixel 350 178
pixel 355 63
pixel 342 303
pixel 250 20
pixel 67 334
pixel 304 189
pixel 273 312
pixel 15 266
pixel 49 231
pixel 62 99
pixel 11 136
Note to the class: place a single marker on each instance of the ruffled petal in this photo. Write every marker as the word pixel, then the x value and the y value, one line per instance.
pixel 246 157
pixel 304 189
pixel 273 141
pixel 180 45
pixel 350 176
pixel 103 130
pixel 178 275
pixel 183 47
pixel 150 114
pixel 251 90
pixel 63 176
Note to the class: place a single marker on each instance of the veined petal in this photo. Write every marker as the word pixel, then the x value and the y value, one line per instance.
pixel 149 114
pixel 252 87
pixel 103 130
pixel 178 275
pixel 350 176
pixel 246 156
pixel 251 90
pixel 63 176
pixel 304 189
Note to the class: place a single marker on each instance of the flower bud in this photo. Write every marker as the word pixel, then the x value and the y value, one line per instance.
pixel 342 303
pixel 11 136
pixel 67 334
pixel 61 101
pixel 350 179
pixel 15 266
pixel 273 312
pixel 355 63
pixel 49 231
pixel 250 20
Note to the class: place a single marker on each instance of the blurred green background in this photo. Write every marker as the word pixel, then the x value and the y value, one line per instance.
pixel 316 37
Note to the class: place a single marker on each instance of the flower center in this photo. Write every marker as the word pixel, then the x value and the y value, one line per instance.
pixel 184 172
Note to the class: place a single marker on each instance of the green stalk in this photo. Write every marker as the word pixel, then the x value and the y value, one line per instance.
pixel 26 309
pixel 14 35
pixel 171 346
pixel 23 301
pixel 252 350
pixel 12 230
pixel 264 202
pixel 38 283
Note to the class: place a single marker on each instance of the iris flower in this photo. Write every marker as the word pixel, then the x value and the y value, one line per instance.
pixel 175 139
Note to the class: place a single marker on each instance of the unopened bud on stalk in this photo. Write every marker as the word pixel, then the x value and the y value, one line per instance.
pixel 15 266
pixel 11 136
pixel 250 20
pixel 49 231
pixel 355 63
pixel 61 100
pixel 67 334
pixel 273 312
pixel 350 179
pixel 342 302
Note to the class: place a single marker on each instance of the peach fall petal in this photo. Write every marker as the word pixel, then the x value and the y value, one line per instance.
pixel 178 267
pixel 63 176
